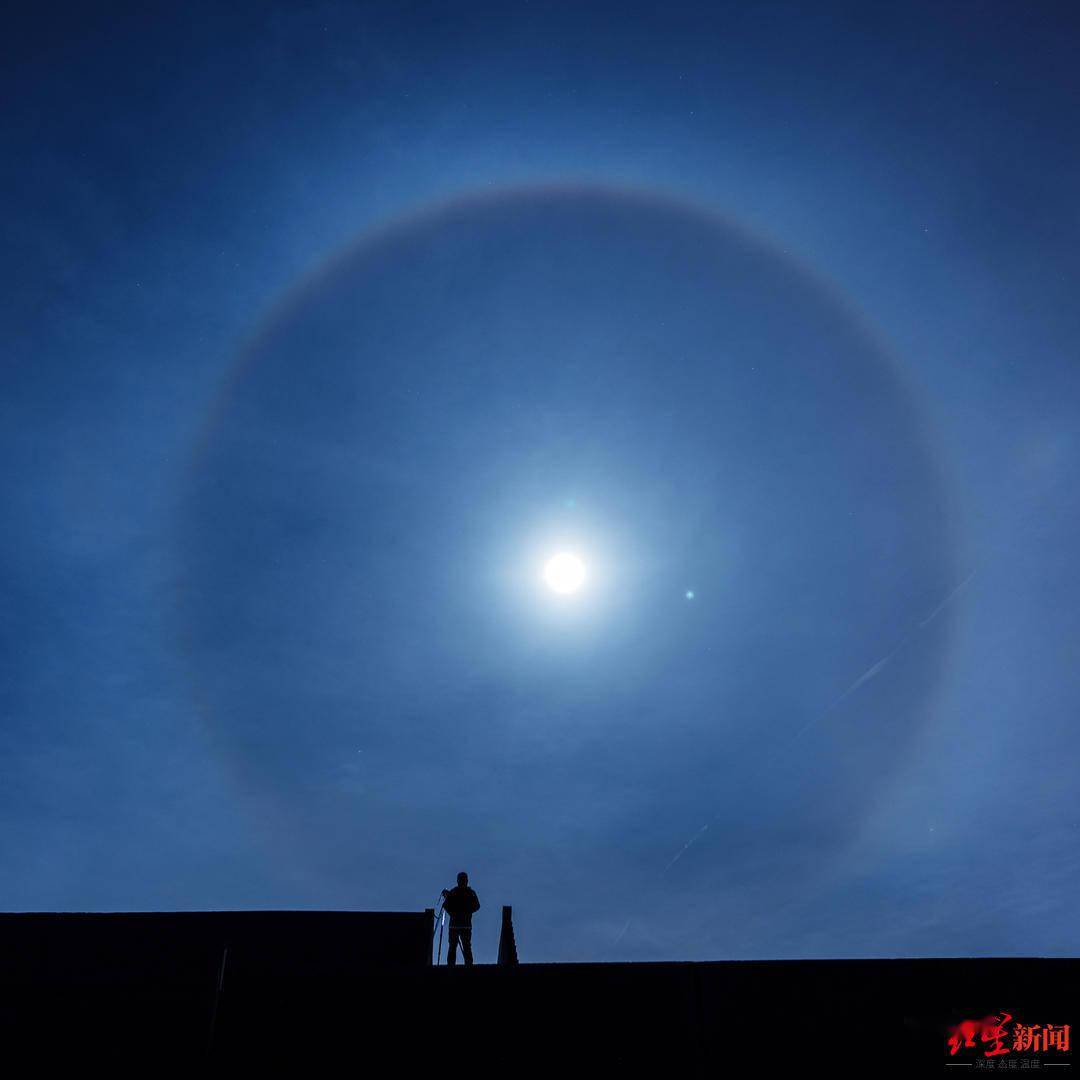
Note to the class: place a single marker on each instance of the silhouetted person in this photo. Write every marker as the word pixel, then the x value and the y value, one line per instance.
pixel 460 902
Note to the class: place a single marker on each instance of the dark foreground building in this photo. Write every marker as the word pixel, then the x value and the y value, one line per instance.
pixel 228 991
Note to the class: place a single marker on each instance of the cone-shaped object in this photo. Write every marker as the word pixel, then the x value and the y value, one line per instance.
pixel 507 944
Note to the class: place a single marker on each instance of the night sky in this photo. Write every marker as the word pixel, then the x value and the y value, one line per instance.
pixel 327 325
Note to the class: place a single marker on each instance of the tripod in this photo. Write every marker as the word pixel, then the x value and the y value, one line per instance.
pixel 441 919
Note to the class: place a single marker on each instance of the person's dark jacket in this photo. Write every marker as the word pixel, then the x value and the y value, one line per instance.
pixel 461 902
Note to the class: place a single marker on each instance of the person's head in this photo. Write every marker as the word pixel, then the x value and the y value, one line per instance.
pixel 463 878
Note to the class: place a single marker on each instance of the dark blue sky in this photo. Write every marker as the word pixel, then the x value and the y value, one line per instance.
pixel 326 324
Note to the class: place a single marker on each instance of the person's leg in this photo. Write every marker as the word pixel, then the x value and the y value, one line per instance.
pixel 466 946
pixel 451 952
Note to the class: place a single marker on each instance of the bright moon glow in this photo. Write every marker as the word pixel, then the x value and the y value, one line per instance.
pixel 565 573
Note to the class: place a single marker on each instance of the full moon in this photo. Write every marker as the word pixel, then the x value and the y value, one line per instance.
pixel 565 573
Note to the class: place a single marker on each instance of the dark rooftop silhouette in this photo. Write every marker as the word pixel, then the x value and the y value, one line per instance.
pixel 272 987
